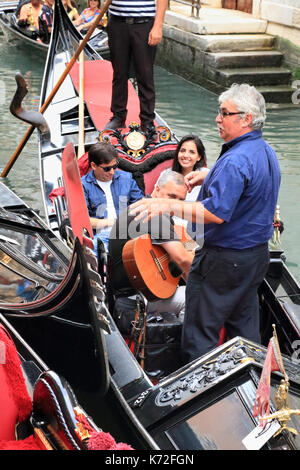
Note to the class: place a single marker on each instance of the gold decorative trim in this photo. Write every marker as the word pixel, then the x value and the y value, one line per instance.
pixel 135 141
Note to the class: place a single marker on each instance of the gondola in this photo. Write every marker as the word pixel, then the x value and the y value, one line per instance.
pixel 207 404
pixel 179 413
pixel 16 35
pixel 43 279
pixel 40 277
pixel 139 153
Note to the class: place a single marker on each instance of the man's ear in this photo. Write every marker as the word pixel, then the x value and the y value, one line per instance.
pixel 155 192
pixel 93 165
pixel 248 120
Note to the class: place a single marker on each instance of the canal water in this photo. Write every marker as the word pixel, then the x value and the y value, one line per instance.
pixel 186 108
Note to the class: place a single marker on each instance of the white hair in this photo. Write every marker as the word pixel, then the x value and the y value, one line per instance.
pixel 247 100
pixel 170 175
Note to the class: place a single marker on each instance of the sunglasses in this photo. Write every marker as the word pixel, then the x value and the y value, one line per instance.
pixel 108 168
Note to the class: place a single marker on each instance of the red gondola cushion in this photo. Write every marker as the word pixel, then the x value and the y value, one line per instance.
pixel 15 403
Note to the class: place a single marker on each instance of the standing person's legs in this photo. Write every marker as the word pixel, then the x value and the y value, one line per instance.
pixel 203 320
pixel 143 57
pixel 119 45
pixel 222 290
pixel 244 320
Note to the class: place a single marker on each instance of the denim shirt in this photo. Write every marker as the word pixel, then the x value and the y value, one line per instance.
pixel 242 189
pixel 124 191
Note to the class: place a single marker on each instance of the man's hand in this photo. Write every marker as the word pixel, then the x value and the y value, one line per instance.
pixel 146 209
pixel 99 224
pixel 195 178
pixel 155 35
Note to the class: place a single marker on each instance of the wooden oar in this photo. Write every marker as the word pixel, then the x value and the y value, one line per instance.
pixel 56 88
pixel 81 150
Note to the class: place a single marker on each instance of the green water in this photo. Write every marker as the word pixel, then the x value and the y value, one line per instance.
pixel 186 107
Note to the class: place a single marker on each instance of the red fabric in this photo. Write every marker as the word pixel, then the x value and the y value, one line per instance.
pixel 12 385
pixel 151 177
pixel 99 440
pixel 222 337
pixel 26 444
pixel 83 164
pixel 104 441
pixel 8 407
pixel 262 400
pixel 57 192
pixel 98 75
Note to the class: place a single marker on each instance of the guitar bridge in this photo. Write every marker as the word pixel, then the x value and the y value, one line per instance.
pixel 158 265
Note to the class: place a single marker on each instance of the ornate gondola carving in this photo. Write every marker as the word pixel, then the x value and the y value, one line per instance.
pixel 136 143
pixel 212 370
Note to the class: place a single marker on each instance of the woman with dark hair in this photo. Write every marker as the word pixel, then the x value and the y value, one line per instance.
pixel 190 156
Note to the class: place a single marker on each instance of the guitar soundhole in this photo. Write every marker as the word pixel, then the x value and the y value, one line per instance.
pixel 174 269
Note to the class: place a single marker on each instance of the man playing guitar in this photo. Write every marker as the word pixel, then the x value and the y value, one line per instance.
pixel 162 234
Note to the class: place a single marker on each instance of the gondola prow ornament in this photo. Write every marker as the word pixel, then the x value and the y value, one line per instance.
pixel 35 118
pixel 274 362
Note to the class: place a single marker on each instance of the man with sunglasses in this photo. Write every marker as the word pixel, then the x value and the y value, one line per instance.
pixel 236 205
pixel 107 190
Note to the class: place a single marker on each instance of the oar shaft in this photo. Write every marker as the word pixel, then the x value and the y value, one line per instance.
pixel 81 107
pixel 56 88
pixel 17 151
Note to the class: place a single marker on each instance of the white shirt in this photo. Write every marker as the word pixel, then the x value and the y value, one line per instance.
pixel 110 207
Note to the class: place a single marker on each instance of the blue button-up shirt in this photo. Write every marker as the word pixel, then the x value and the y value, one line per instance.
pixel 124 191
pixel 242 189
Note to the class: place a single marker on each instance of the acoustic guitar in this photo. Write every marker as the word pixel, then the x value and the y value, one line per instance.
pixel 149 267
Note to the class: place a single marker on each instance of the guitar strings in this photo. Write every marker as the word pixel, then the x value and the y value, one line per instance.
pixel 163 258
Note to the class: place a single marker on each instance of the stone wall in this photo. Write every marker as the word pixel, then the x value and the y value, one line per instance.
pixel 283 12
pixel 283 17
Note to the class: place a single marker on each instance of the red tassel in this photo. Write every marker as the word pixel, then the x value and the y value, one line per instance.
pixel 121 446
pixel 101 441
pixel 104 441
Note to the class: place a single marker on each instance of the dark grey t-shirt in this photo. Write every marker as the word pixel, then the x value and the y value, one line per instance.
pixel 160 229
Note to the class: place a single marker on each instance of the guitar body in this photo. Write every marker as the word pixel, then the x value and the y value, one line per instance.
pixel 147 268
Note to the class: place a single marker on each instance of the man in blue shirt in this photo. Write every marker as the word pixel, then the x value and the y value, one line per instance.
pixel 107 190
pixel 232 223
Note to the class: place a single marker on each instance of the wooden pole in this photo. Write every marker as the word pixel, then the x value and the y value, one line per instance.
pixel 56 88
pixel 81 150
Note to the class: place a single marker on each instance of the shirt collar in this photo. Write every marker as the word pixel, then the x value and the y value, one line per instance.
pixel 249 136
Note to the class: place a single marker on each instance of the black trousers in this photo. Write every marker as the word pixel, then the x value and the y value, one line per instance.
pixel 130 42
pixel 222 291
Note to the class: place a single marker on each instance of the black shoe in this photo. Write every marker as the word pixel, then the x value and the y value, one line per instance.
pixel 115 123
pixel 148 127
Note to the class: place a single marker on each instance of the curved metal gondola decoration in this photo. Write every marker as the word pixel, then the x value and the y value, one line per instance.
pixel 16 108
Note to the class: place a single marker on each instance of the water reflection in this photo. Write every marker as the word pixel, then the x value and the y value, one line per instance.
pixel 24 176
pixel 185 106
